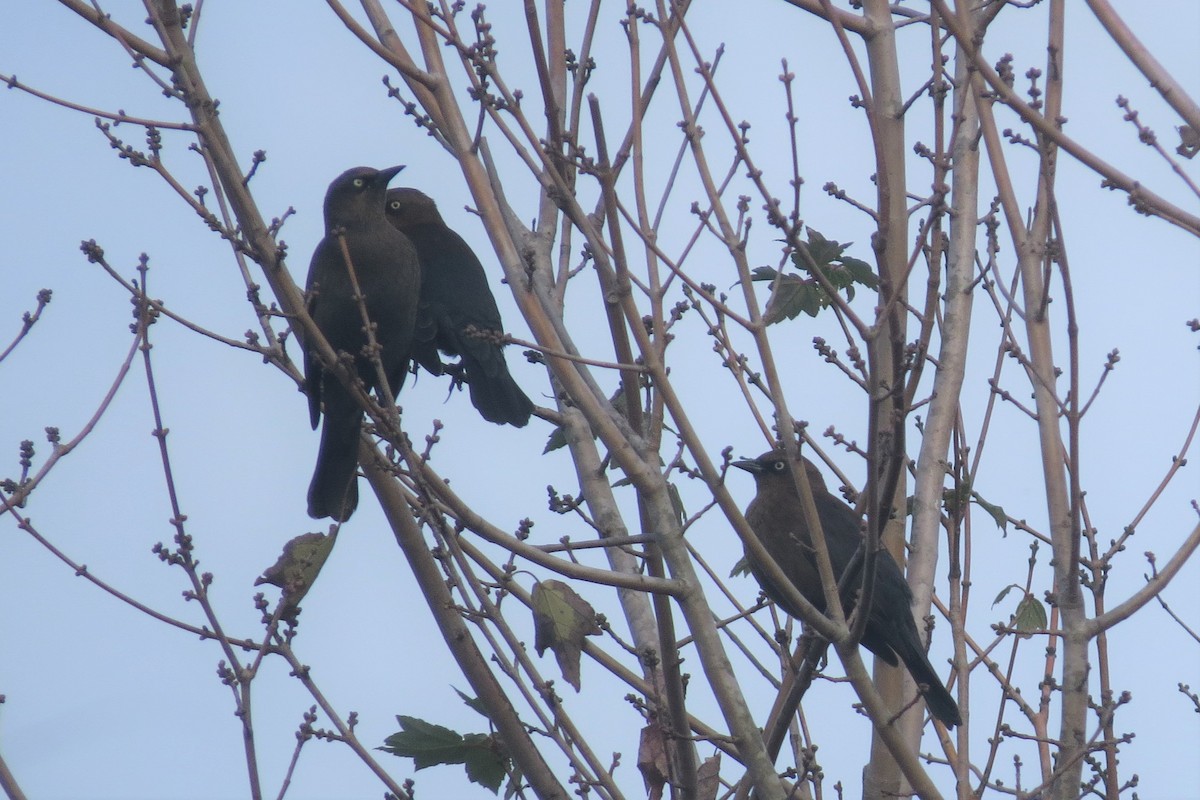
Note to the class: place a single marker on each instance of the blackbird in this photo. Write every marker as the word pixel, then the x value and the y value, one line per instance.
pixel 777 518
pixel 389 277
pixel 457 312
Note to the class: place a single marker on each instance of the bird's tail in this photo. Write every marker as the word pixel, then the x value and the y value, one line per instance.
pixel 333 491
pixel 494 393
pixel 941 704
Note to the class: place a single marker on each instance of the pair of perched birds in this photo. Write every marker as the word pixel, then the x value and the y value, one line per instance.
pixel 425 291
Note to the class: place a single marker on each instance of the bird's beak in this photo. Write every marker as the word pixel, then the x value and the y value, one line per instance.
pixel 386 175
pixel 748 464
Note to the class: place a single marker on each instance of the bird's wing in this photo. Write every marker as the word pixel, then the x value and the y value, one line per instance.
pixel 460 305
pixel 842 528
pixel 425 340
pixel 791 550
pixel 890 593
pixel 313 374
pixel 453 278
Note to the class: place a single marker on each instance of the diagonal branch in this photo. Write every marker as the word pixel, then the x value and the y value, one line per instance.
pixel 1141 197
pixel 1162 80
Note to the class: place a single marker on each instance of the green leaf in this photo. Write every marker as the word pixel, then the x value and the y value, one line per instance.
pixel 473 703
pixel 483 764
pixel 812 298
pixel 1031 614
pixel 997 512
pixel 952 500
pixel 1004 593
pixel 839 269
pixel 425 743
pixel 824 251
pixel 861 272
pixel 786 300
pixel 430 745
pixel 792 295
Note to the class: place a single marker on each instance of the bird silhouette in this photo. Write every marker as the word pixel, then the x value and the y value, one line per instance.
pixel 777 519
pixel 457 313
pixel 389 277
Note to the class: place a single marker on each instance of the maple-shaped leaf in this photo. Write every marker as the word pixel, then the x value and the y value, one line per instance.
pixel 861 272
pixel 791 295
pixel 824 251
pixel 819 258
pixel 561 619
pixel 429 745
pixel 473 703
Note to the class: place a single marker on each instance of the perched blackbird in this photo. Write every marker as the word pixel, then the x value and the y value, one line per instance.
pixel 777 518
pixel 457 313
pixel 389 277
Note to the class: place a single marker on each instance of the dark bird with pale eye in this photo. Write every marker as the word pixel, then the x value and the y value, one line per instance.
pixel 389 278
pixel 456 307
pixel 777 518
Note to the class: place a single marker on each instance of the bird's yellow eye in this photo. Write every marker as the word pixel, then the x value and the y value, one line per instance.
pixel 359 183
pixel 778 466
pixel 394 205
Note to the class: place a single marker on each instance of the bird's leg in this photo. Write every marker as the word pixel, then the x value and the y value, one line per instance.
pixel 458 376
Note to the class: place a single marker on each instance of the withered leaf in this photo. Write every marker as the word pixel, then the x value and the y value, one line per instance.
pixel 298 567
pixel 708 778
pixel 652 760
pixel 561 619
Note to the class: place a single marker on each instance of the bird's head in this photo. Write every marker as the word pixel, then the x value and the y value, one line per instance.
pixel 407 207
pixel 773 466
pixel 357 194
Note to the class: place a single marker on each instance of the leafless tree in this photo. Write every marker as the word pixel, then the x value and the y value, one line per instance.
pixel 961 231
